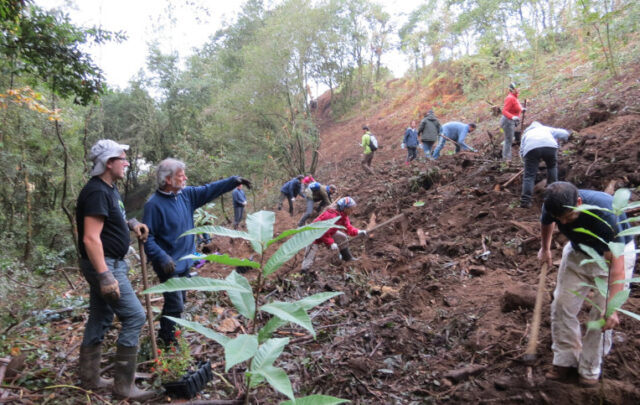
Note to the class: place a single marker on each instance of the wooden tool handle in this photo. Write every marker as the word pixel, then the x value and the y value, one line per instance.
pixel 535 324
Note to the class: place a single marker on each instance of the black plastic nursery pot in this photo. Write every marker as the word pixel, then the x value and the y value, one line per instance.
pixel 192 383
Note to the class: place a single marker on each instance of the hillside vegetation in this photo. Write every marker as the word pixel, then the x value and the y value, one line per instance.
pixel 420 321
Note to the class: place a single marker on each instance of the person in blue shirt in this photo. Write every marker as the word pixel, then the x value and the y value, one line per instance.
pixel 410 140
pixel 290 190
pixel 456 132
pixel 239 202
pixel 169 213
pixel 577 273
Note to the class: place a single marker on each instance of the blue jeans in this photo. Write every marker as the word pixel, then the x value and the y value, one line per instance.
pixel 128 308
pixel 531 162
pixel 427 146
pixel 509 128
pixel 443 140
pixel 238 212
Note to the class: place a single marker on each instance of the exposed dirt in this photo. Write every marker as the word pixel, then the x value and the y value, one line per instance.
pixel 446 321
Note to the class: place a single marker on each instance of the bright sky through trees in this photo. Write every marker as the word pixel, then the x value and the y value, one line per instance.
pixel 177 25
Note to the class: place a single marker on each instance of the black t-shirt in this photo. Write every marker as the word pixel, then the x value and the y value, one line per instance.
pixel 586 221
pixel 97 198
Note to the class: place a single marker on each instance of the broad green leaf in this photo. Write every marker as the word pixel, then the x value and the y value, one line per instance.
pixel 195 326
pixel 632 205
pixel 577 294
pixel 196 284
pixel 314 225
pixel 290 248
pixel 616 302
pixel 242 301
pixel 268 352
pixel 314 300
pixel 602 263
pixel 278 379
pixel 588 232
pixel 620 200
pixel 267 330
pixel 224 259
pixel 597 325
pixel 260 227
pixel 290 312
pixel 631 219
pixel 616 248
pixel 218 230
pixel 602 286
pixel 418 204
pixel 316 400
pixel 630 232
pixel 587 209
pixel 629 280
pixel 237 350
pixel 629 313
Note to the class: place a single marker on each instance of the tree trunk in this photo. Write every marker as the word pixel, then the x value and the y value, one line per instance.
pixel 28 189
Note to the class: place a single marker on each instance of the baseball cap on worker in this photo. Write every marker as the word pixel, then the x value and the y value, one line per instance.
pixel 345 202
pixel 101 152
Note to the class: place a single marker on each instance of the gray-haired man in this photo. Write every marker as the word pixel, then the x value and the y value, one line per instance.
pixel 169 213
pixel 103 238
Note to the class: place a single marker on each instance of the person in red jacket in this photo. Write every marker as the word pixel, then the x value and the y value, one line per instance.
pixel 510 119
pixel 333 237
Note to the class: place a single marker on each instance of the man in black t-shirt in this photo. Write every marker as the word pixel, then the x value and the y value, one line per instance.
pixel 570 349
pixel 103 235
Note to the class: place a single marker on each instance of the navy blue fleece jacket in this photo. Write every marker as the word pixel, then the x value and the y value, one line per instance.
pixel 169 215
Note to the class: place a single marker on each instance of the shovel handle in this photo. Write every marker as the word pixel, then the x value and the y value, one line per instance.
pixel 537 311
pixel 147 299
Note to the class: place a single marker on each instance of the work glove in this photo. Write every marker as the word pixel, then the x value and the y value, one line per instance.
pixel 516 120
pixel 293 200
pixel 524 109
pixel 109 288
pixel 362 232
pixel 244 203
pixel 334 246
pixel 402 145
pixel 244 182
pixel 140 229
pixel 168 268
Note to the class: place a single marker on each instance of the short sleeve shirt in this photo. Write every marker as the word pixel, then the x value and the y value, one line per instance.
pixel 607 231
pixel 99 199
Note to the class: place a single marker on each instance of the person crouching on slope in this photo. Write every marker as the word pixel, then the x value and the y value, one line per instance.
pixel 333 237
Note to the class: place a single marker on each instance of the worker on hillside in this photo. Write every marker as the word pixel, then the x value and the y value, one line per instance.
pixel 289 191
pixel 571 350
pixel 456 132
pixel 316 192
pixel 428 131
pixel 410 140
pixel 333 238
pixel 539 142
pixel 169 213
pixel 103 238
pixel 510 119
pixel 239 202
pixel 367 153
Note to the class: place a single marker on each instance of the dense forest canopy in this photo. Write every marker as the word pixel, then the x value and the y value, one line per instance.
pixel 242 103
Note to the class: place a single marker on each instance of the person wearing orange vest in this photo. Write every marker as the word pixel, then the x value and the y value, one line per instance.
pixel 510 119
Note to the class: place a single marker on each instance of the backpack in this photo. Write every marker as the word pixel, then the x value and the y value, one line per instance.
pixel 373 143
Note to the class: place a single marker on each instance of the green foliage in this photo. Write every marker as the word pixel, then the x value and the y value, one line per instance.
pixel 259 349
pixel 619 206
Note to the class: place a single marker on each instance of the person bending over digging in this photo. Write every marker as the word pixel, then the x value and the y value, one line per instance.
pixel 456 132
pixel 539 142
pixel 571 350
pixel 333 238
pixel 316 192
pixel 289 191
